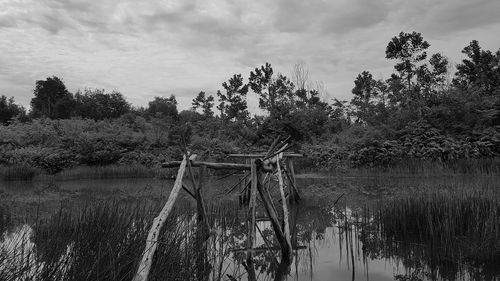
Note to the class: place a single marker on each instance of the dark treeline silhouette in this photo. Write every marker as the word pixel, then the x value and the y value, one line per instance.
pixel 421 112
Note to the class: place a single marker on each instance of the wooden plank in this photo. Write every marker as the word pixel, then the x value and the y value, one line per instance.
pixel 158 222
pixel 285 207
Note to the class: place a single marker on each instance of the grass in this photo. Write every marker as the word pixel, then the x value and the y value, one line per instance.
pixel 18 172
pixel 104 241
pixel 410 167
pixel 450 231
pixel 106 172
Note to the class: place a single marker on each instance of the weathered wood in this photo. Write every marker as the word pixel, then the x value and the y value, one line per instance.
pixel 200 203
pixel 265 249
pixel 262 155
pixel 285 207
pixel 251 220
pixel 154 232
pixel 211 165
pixel 188 191
pixel 266 200
pixel 293 182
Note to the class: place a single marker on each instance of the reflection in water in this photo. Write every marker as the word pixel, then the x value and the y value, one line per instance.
pixel 384 242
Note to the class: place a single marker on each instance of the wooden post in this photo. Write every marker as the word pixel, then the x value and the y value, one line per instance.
pixel 293 192
pixel 154 232
pixel 251 221
pixel 200 203
pixel 285 207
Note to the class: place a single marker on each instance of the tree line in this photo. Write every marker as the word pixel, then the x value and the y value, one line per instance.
pixel 421 111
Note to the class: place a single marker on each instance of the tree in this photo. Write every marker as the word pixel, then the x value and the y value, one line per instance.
pixel 52 99
pixel 432 78
pixel 163 107
pixel 480 71
pixel 408 49
pixel 9 110
pixel 300 75
pixel 276 95
pixel 369 98
pixel 98 105
pixel 205 103
pixel 233 104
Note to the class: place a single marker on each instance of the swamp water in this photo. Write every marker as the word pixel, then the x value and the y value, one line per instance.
pixel 371 228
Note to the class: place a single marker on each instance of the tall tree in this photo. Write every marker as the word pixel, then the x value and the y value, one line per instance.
pixel 276 95
pixel 409 49
pixel 369 98
pixel 233 103
pixel 52 99
pixel 206 103
pixel 9 109
pixel 481 70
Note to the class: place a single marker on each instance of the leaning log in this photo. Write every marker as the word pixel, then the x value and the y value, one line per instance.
pixel 285 207
pixel 154 232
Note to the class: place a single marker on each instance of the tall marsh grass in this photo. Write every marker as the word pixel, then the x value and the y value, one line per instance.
pixel 105 241
pixel 449 231
pixel 106 172
pixel 18 172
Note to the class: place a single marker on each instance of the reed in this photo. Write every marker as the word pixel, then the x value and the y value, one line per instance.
pixel 450 231
pixel 104 241
pixel 18 173
pixel 106 172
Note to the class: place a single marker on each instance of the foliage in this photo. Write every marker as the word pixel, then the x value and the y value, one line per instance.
pixel 232 103
pixel 51 99
pixel 98 105
pixel 163 107
pixel 9 110
pixel 205 103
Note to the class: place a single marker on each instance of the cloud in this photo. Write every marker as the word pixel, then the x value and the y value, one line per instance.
pixel 444 18
pixel 143 48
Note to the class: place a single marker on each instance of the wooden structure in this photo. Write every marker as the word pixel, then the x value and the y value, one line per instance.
pixel 259 169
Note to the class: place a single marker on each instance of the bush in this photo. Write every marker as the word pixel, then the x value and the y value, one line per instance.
pixel 52 160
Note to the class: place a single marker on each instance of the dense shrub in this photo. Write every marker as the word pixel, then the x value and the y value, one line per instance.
pixel 52 160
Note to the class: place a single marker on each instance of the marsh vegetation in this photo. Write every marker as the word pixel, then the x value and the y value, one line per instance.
pixel 397 228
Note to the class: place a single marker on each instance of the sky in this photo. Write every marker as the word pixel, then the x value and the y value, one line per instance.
pixel 145 49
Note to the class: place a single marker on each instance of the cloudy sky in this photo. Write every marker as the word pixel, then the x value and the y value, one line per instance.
pixel 154 48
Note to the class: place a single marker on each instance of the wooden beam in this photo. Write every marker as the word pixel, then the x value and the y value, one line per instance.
pixel 265 249
pixel 158 222
pixel 263 155
pixel 211 165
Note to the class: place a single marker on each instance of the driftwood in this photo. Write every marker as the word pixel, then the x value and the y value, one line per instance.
pixel 154 232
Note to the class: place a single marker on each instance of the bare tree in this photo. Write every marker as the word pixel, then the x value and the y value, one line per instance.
pixel 300 75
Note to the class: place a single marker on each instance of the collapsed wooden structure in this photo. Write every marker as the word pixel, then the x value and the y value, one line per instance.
pixel 259 168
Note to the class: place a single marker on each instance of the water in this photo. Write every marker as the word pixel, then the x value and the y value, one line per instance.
pixel 348 240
